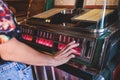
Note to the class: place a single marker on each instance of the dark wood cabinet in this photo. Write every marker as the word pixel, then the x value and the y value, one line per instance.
pixel 19 7
pixel 37 6
pixel 22 10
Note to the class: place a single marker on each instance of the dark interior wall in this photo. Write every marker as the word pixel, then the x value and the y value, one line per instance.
pixel 19 7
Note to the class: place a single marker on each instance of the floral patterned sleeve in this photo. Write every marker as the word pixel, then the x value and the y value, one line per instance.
pixel 7 23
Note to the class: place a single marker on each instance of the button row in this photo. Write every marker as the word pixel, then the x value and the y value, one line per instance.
pixel 27 30
pixel 45 42
pixel 27 34
pixel 68 39
pixel 45 34
pixel 78 49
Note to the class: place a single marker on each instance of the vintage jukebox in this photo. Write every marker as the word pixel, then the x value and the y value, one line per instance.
pixel 97 56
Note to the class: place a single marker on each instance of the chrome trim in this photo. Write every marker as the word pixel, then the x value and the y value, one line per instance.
pixel 67 11
pixel 53 73
pixel 36 73
pixel 104 48
pixel 45 73
pixel 100 77
pixel 92 50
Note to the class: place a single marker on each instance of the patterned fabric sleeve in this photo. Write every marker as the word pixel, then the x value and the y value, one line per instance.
pixel 7 24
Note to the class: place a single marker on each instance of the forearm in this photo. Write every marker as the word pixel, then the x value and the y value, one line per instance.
pixel 14 50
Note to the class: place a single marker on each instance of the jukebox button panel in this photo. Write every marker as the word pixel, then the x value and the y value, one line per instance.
pixel 64 40
pixel 85 50
pixel 55 41
pixel 44 38
pixel 27 33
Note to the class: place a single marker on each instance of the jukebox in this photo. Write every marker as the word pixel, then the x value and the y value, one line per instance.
pixel 96 30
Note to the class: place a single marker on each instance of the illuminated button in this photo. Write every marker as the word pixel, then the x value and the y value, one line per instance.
pixel 47 42
pixel 50 43
pixel 61 46
pixel 78 51
pixel 40 41
pixel 30 37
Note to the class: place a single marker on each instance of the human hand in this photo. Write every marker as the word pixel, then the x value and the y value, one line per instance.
pixel 65 54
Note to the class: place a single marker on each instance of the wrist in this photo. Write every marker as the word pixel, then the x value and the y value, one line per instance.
pixel 52 61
